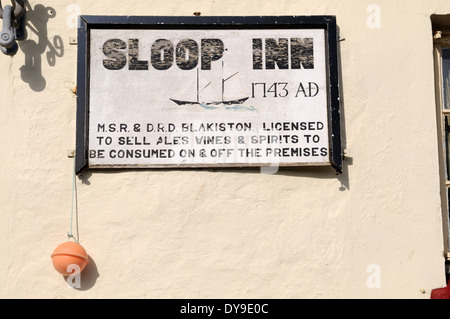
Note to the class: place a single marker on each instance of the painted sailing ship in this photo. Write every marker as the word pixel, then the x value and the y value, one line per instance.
pixel 223 101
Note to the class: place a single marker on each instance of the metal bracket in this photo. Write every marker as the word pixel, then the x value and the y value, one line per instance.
pixel 13 26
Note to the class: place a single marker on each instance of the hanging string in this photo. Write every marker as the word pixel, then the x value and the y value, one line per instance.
pixel 70 234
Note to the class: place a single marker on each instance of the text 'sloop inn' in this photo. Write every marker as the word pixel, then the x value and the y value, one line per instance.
pixel 207 92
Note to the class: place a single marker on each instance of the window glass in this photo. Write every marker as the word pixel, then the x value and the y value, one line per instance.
pixel 446 145
pixel 446 76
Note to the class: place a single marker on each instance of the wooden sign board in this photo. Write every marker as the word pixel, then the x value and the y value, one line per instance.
pixel 207 92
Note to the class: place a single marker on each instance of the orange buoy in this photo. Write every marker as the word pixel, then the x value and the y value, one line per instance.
pixel 69 256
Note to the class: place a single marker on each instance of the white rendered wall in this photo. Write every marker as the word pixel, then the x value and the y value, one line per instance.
pixel 231 233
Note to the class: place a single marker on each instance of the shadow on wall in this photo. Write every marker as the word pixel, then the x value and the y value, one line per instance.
pixel 87 279
pixel 36 23
pixel 344 178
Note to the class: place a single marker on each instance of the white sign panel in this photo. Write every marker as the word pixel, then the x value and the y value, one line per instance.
pixel 208 97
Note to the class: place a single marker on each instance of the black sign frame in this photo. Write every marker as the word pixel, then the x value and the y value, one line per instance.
pixel 87 23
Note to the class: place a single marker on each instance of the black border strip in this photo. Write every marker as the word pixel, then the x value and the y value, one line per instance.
pixel 336 156
pixel 86 23
pixel 81 150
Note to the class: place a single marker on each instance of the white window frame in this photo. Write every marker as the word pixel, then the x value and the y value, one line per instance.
pixel 441 41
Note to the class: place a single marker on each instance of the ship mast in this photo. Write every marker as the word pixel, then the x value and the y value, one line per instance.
pixel 223 82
